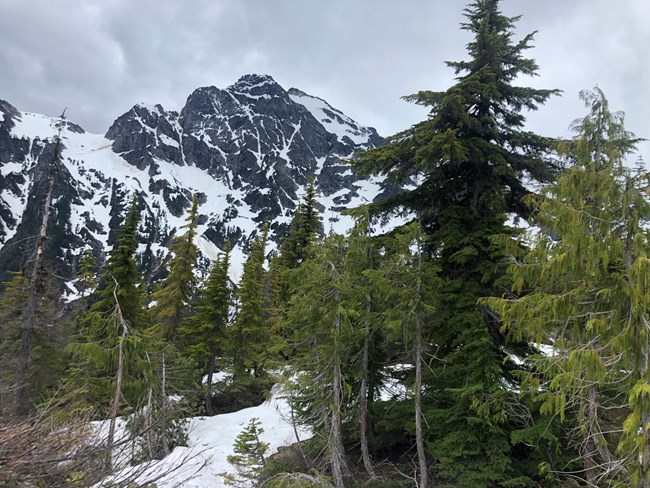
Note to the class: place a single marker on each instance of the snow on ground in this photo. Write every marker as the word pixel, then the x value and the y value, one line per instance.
pixel 211 440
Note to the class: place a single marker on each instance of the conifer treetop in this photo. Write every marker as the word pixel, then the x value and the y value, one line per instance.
pixel 472 150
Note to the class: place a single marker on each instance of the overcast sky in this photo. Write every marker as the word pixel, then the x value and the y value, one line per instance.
pixel 100 57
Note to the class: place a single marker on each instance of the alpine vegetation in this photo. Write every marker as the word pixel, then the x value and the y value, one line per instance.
pixel 259 291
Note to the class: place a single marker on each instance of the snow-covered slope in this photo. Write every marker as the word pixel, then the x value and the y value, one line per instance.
pixel 247 151
pixel 211 440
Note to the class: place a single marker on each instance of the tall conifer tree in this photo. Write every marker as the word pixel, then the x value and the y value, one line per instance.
pixel 470 158
pixel 324 336
pixel 118 320
pixel 174 298
pixel 204 336
pixel 249 335
pixel 305 227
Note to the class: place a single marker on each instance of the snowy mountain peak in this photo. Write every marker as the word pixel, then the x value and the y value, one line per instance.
pixel 252 81
pixel 247 151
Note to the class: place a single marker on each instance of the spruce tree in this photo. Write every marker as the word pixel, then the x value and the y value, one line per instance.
pixel 583 289
pixel 470 158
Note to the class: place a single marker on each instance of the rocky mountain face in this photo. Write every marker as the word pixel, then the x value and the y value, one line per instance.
pixel 247 151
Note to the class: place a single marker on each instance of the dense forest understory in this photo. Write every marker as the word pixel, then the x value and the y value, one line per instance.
pixel 455 350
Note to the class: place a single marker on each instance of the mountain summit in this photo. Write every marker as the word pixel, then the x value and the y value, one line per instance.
pixel 246 150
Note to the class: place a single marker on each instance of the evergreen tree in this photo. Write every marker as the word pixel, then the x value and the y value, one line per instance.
pixel 117 322
pixel 249 455
pixel 304 228
pixel 583 289
pixel 470 158
pixel 368 293
pixel 35 330
pixel 87 272
pixel 414 283
pixel 248 337
pixel 325 335
pixel 174 298
pixel 46 363
pixel 205 335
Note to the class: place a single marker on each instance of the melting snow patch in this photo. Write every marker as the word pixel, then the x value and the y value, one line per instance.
pixel 211 440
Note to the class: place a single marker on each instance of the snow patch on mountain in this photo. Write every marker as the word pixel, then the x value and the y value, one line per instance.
pixel 247 151
pixel 334 121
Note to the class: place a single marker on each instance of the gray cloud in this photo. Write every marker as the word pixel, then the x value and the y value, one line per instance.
pixel 100 57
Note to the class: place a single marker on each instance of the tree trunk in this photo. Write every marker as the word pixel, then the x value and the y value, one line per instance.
pixel 335 443
pixel 208 387
pixel 115 404
pixel 363 402
pixel 644 460
pixel 148 424
pixel 336 447
pixel 164 407
pixel 419 430
pixel 419 333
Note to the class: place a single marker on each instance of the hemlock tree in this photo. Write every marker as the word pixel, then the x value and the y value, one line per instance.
pixel 369 291
pixel 204 335
pixel 583 289
pixel 414 286
pixel 470 159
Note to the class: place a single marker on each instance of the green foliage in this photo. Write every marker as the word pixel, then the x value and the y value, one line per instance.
pixel 583 289
pixel 471 156
pixel 87 272
pixel 46 362
pixel 91 378
pixel 174 297
pixel 304 228
pixel 298 480
pixel 249 455
pixel 471 152
pixel 249 335
pixel 204 335
pixel 320 301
